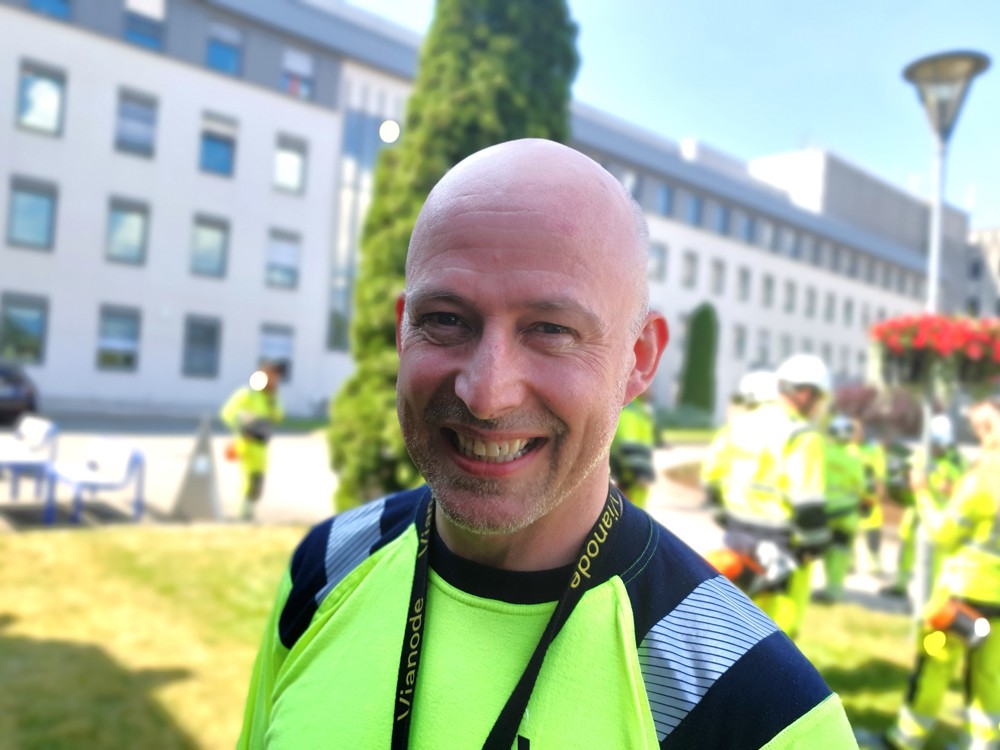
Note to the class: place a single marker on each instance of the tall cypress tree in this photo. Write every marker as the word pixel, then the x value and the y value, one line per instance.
pixel 490 71
pixel 698 376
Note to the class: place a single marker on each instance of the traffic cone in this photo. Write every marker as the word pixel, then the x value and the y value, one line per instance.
pixel 198 496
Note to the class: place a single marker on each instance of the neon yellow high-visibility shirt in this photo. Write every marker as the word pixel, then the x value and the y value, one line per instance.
pixel 660 653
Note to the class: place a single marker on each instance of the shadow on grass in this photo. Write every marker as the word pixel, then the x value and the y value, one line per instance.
pixel 57 695
pixel 877 676
pixel 27 515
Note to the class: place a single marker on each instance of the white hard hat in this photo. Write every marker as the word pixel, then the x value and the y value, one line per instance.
pixel 805 369
pixel 841 427
pixel 942 433
pixel 758 387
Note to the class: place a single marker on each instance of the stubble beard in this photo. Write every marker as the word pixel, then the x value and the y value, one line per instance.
pixel 485 505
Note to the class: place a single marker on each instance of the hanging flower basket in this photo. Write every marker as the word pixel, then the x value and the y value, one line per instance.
pixel 947 351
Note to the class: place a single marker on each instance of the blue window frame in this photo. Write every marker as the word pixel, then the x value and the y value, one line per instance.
pixel 143 31
pixel 218 153
pixel 224 57
pixel 54 8
pixel 31 222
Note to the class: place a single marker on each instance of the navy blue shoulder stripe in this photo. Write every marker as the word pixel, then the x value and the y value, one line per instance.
pixel 335 547
pixel 761 694
pixel 693 647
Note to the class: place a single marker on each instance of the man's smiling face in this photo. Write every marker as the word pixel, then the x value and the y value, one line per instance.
pixel 516 338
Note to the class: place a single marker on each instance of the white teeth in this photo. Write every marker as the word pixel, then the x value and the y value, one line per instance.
pixel 490 451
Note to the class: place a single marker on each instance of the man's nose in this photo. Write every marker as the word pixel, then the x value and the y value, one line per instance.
pixel 491 381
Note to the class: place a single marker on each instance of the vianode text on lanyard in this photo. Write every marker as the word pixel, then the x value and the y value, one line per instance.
pixel 588 571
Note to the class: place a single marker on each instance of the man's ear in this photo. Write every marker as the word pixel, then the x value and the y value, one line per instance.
pixel 400 309
pixel 648 349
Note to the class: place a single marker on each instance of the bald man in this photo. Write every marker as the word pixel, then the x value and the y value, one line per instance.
pixel 517 600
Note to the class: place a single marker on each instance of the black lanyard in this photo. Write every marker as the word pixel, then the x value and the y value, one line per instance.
pixel 588 571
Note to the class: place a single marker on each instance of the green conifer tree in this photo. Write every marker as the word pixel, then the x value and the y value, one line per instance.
pixel 698 376
pixel 490 71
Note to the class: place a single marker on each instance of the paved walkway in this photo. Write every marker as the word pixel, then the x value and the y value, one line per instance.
pixel 300 484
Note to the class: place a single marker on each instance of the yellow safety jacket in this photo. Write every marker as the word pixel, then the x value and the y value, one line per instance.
pixel 967 532
pixel 845 484
pixel 715 462
pixel 875 468
pixel 776 476
pixel 633 443
pixel 243 407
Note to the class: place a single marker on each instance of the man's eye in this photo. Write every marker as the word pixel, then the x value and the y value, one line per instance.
pixel 552 329
pixel 441 319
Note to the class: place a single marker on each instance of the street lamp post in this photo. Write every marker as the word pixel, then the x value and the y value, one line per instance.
pixel 942 82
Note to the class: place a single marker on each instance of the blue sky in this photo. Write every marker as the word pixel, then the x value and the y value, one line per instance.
pixel 768 76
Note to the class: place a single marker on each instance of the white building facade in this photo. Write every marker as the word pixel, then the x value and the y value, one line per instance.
pixel 183 183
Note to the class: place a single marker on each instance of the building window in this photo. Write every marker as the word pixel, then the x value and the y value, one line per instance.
pixel 664 199
pixel 54 8
pixel 209 247
pixel 851 261
pixel 135 131
pixel 810 302
pixel 764 236
pixel 821 250
pixel 118 339
pixel 23 323
pixel 901 281
pixel 41 98
pixel 767 290
pixel 807 247
pixel 886 280
pixel 807 346
pixel 218 145
pixel 763 347
pixel 718 276
pixel 32 218
pixel 880 314
pixel 224 52
pixel 693 208
pixel 829 312
pixel 790 296
pixel 128 228
pixel 862 266
pixel 740 225
pixel 826 353
pixel 144 23
pixel 739 341
pixel 290 165
pixel 283 250
pixel 866 315
pixel 297 74
pixel 871 270
pixel 996 307
pixel 972 306
pixel 656 264
pixel 276 345
pixel 785 346
pixel 717 217
pixel 788 242
pixel 743 285
pixel 689 270
pixel 202 345
pixel 848 312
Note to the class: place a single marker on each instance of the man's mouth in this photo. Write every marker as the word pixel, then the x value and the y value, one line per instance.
pixel 490 451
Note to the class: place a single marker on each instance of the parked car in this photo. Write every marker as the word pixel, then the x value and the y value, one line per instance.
pixel 18 393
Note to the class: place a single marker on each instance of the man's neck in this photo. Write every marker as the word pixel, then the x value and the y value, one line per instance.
pixel 550 542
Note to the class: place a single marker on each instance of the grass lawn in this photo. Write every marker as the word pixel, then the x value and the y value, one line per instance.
pixel 125 637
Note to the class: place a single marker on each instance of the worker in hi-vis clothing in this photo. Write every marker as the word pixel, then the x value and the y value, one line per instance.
pixel 755 388
pixel 845 486
pixel 774 490
pixel 962 616
pixel 869 546
pixel 251 412
pixel 632 468
pixel 945 469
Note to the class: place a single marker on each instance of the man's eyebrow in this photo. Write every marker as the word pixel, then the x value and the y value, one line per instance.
pixel 558 305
